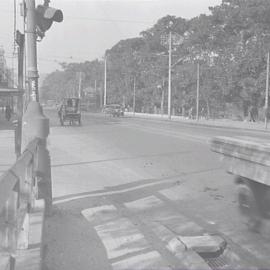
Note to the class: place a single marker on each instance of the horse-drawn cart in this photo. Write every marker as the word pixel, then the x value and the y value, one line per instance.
pixel 70 111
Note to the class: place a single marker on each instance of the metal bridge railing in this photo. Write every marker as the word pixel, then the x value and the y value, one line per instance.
pixel 25 182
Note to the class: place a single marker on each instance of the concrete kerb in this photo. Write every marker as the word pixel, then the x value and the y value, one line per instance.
pixel 32 257
pixel 207 123
pixel 190 249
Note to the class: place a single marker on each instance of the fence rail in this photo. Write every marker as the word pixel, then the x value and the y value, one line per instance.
pixel 20 187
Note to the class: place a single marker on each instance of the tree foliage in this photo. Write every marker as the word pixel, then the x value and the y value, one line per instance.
pixel 230 45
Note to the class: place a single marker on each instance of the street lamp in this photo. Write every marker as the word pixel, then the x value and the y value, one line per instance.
pixel 160 87
pixel 170 70
pixel 134 95
pixel 198 91
pixel 105 81
pixel 266 92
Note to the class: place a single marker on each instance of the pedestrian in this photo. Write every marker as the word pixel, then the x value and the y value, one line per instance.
pixel 8 112
pixel 203 112
pixel 190 113
pixel 251 114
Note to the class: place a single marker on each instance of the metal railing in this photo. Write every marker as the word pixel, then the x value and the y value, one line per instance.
pixel 26 181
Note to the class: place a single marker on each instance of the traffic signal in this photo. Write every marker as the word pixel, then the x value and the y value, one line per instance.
pixel 45 16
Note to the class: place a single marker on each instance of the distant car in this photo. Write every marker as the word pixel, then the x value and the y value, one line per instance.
pixel 114 110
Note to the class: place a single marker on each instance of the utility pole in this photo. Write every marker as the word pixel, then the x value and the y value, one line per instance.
pixel 267 91
pixel 35 124
pixel 95 95
pixel 105 81
pixel 32 51
pixel 20 40
pixel 198 91
pixel 134 94
pixel 80 84
pixel 169 75
pixel 162 96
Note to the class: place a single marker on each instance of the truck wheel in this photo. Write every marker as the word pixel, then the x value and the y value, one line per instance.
pixel 248 206
pixel 266 203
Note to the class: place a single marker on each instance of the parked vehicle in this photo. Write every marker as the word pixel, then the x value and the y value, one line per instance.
pixel 70 111
pixel 249 160
pixel 114 110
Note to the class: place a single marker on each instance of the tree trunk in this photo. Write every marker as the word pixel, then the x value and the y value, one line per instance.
pixel 208 109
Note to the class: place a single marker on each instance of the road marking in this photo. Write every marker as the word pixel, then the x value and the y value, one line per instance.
pixel 100 214
pixel 169 226
pixel 170 179
pixel 129 247
pixel 121 237
pixel 176 193
pixel 144 203
pixel 155 210
pixel 147 261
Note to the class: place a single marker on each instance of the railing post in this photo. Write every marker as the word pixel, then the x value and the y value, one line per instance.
pixel 9 233
pixel 23 234
pixel 36 125
pixel 25 201
pixel 43 176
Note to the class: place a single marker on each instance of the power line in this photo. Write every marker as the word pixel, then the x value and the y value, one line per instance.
pixel 6 11
pixel 96 19
pixel 14 26
pixel 109 20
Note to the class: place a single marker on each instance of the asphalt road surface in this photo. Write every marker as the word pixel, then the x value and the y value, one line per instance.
pixel 125 188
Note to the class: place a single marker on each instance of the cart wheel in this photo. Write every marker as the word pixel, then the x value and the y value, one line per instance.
pixel 248 206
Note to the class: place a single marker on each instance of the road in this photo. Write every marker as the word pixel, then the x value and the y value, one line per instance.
pixel 124 188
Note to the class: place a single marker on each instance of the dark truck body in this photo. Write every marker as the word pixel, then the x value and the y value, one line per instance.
pixel 249 160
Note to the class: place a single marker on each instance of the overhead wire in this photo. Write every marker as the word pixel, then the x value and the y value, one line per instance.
pixel 14 40
pixel 109 20
pixel 95 19
pixel 14 25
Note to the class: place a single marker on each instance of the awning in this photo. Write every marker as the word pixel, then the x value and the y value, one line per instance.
pixel 10 92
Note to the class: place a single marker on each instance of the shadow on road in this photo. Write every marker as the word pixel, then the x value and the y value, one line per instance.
pixel 121 158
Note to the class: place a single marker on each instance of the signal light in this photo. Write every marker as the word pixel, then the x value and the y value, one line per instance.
pixel 45 16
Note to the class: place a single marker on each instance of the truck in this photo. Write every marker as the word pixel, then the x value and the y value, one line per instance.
pixel 248 159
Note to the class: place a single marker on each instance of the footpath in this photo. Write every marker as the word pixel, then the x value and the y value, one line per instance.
pixel 222 123
pixel 26 255
pixel 7 150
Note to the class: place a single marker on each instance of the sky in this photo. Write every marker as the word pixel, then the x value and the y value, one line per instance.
pixel 90 27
